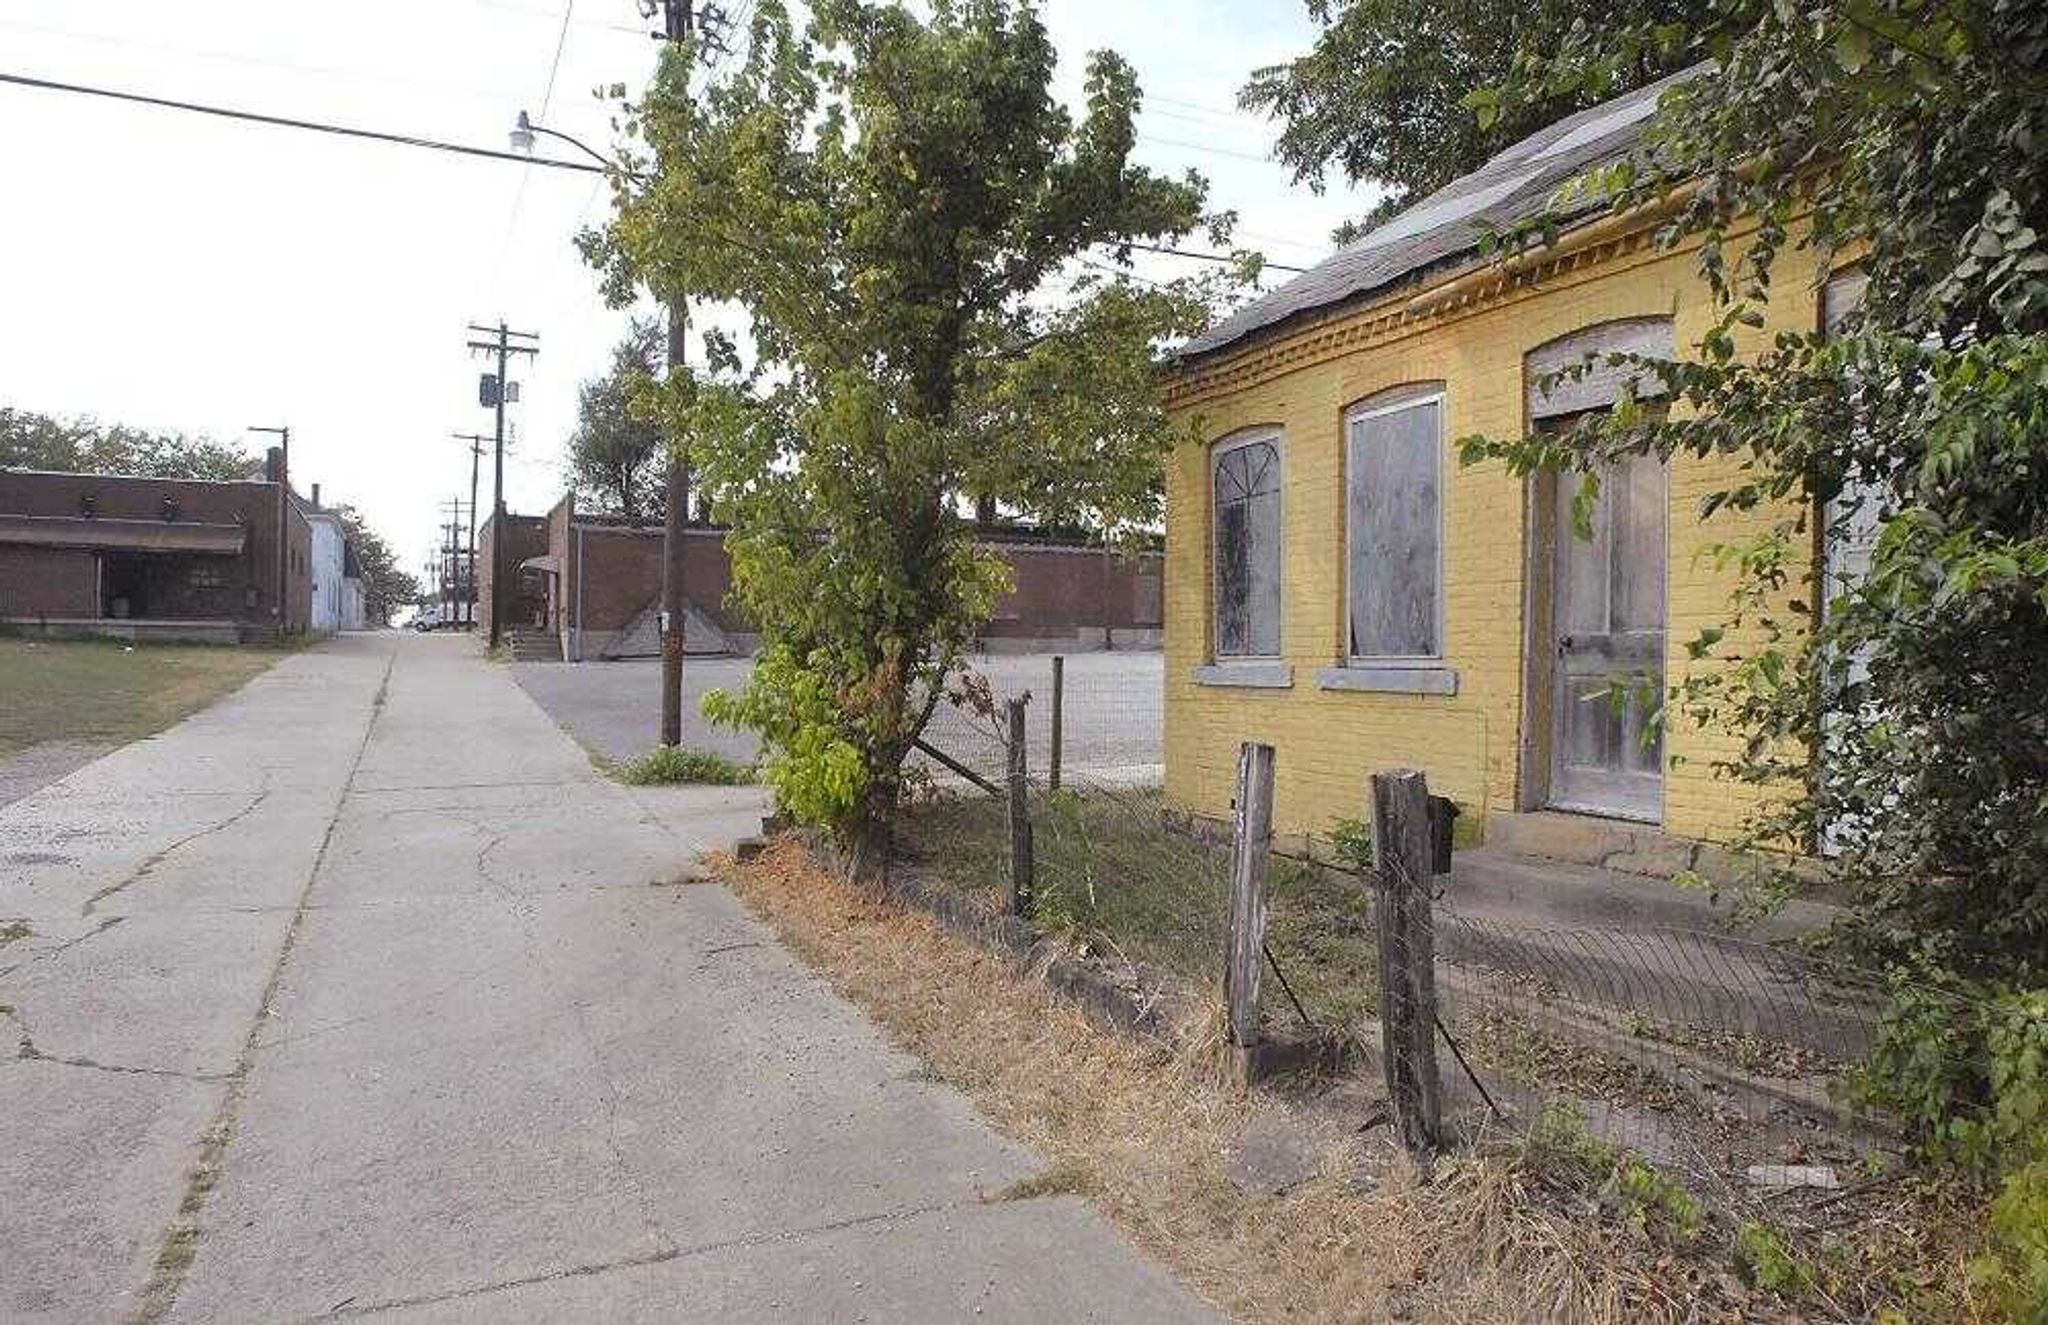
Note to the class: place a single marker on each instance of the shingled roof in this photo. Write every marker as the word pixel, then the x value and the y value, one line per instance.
pixel 1443 230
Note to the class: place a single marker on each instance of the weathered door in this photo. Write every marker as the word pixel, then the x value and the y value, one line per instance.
pixel 1608 619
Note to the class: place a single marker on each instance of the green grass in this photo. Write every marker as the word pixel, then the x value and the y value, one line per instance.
pixel 1117 872
pixel 667 765
pixel 109 693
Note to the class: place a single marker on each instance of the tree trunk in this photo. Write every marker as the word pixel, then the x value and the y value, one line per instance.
pixel 869 840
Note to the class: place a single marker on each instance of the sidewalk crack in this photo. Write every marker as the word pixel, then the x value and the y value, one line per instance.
pixel 348 1308
pixel 158 857
pixel 180 1243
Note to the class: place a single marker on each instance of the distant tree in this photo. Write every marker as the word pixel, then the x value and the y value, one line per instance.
pixel 29 440
pixel 1379 95
pixel 617 457
pixel 385 586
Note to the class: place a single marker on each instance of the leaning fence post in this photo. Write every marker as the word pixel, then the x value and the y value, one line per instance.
pixel 1250 845
pixel 1019 814
pixel 1059 688
pixel 1403 855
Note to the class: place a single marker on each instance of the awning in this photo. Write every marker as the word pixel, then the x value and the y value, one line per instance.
pixel 76 531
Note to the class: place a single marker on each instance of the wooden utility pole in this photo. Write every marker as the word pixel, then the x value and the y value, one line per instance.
pixel 678 20
pixel 493 394
pixel 476 454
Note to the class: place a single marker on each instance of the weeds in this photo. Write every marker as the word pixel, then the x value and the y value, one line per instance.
pixel 672 764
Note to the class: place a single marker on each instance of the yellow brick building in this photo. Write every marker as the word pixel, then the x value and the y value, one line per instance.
pixel 1320 408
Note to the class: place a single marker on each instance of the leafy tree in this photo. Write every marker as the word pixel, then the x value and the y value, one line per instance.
pixel 385 587
pixel 82 446
pixel 1910 709
pixel 616 455
pixel 1379 95
pixel 892 201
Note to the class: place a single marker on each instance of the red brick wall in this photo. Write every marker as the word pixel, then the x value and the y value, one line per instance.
pixel 1059 591
pixel 621 575
pixel 298 570
pixel 48 582
pixel 251 575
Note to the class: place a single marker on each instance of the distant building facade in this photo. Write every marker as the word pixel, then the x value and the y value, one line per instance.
pixel 337 592
pixel 154 558
pixel 593 583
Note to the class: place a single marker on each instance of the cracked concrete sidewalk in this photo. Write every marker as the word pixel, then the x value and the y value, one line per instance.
pixel 360 993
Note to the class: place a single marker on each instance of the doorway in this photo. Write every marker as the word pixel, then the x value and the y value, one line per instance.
pixel 124 587
pixel 1606 643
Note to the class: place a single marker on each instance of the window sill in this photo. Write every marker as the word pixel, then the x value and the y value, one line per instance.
pixel 1246 675
pixel 1391 680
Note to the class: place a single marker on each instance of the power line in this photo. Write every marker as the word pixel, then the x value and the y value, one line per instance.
pixel 438 145
pixel 287 122
pixel 547 97
pixel 1203 147
pixel 1190 253
pixel 259 61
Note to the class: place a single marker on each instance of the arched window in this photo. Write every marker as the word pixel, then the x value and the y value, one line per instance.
pixel 1244 475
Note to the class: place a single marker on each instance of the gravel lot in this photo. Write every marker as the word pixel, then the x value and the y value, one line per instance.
pixel 1111 708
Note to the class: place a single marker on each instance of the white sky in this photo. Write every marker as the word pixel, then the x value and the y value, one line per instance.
pixel 182 272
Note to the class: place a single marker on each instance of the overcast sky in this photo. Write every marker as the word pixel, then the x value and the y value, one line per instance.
pixel 180 272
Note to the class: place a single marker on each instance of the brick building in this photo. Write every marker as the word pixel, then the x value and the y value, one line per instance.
pixel 525 601
pixel 594 582
pixel 154 558
pixel 1342 588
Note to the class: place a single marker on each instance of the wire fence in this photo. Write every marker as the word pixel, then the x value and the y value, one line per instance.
pixel 1092 719
pixel 1723 1057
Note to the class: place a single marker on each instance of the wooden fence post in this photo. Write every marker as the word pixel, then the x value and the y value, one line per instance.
pixel 1059 689
pixel 1250 848
pixel 1019 798
pixel 1403 854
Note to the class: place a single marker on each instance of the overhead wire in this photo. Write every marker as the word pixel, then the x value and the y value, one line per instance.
pixel 441 145
pixel 294 122
pixel 547 98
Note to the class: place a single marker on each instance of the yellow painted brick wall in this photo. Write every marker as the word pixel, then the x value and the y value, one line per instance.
pixel 1327 742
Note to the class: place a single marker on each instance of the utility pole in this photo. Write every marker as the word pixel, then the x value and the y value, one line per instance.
pixel 476 454
pixel 678 20
pixel 461 583
pixel 493 393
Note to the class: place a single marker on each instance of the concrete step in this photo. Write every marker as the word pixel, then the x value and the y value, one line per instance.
pixel 1496 882
pixel 1635 945
pixel 533 646
pixel 1697 983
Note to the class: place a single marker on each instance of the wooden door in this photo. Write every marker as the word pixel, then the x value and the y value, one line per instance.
pixel 1608 620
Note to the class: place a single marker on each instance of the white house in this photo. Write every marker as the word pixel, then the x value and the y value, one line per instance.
pixel 337 596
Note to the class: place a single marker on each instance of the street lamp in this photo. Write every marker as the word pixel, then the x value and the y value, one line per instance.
pixel 525 131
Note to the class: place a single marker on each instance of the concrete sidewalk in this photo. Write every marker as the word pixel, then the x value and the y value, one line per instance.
pixel 360 994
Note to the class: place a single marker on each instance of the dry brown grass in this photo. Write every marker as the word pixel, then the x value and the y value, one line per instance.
pixel 1144 1131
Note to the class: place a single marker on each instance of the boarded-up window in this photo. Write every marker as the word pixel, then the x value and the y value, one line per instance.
pixel 1394 528
pixel 1246 477
pixel 1598 383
